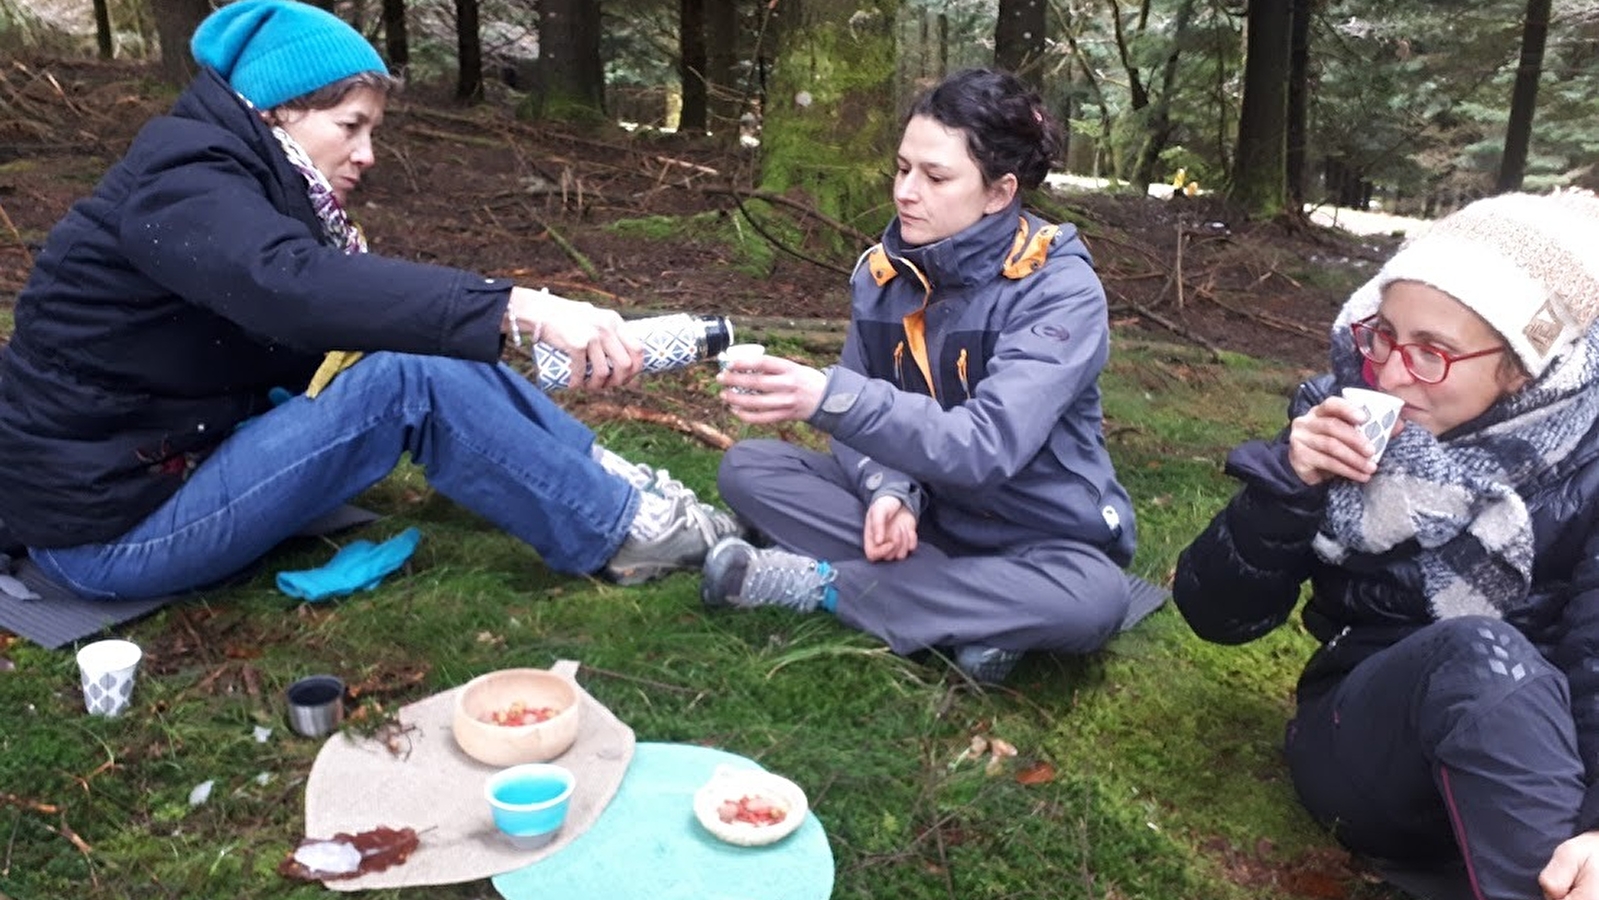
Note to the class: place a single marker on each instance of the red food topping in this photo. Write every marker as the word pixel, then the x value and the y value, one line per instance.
pixel 751 810
pixel 519 713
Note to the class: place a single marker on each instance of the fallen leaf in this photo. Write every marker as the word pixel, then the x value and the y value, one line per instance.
pixel 1002 748
pixel 979 745
pixel 349 855
pixel 1041 772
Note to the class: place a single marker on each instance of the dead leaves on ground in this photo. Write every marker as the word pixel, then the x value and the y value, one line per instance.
pixel 1001 757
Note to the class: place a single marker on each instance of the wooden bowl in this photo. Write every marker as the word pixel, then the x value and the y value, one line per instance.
pixel 481 738
pixel 730 785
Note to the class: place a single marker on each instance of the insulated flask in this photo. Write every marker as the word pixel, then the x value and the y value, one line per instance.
pixel 670 342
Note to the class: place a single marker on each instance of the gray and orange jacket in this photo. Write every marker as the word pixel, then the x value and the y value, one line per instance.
pixel 968 386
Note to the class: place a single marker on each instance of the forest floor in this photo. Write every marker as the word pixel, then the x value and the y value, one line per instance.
pixel 651 222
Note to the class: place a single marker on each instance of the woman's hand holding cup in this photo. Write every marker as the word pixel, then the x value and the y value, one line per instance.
pixel 763 390
pixel 1344 436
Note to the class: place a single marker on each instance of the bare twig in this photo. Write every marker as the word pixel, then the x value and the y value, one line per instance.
pixel 647 682
pixel 11 226
pixel 772 239
pixel 849 231
pixel 699 430
pixel 16 820
pixel 577 256
pixel 405 163
pixel 1182 235
pixel 1167 324
pixel 37 806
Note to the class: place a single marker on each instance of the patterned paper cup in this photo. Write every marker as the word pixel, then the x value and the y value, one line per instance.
pixel 737 359
pixel 107 669
pixel 1382 411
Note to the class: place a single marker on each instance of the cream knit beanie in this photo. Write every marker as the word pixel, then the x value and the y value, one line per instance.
pixel 1528 264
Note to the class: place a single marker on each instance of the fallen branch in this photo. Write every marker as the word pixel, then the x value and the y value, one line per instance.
pixel 1173 327
pixel 699 430
pixel 1268 319
pixel 577 256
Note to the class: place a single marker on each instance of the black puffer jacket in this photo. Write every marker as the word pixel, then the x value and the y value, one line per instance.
pixel 1241 578
pixel 165 306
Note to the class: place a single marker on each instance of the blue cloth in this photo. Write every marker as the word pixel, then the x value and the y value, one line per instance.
pixel 484 435
pixel 358 566
pixel 273 51
pixel 647 844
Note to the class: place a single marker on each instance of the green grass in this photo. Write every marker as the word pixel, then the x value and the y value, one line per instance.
pixel 748 252
pixel 1164 750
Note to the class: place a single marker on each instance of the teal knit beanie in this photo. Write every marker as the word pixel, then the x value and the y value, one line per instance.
pixel 272 51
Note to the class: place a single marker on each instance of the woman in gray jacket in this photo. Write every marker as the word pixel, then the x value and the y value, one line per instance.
pixel 968 503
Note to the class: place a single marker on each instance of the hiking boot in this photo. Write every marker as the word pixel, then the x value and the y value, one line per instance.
pixel 661 483
pixel 984 664
pixel 737 574
pixel 689 532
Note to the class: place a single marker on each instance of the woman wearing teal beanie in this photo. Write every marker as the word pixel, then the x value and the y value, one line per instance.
pixel 146 443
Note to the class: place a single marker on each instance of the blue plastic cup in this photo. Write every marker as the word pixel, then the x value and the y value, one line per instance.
pixel 529 802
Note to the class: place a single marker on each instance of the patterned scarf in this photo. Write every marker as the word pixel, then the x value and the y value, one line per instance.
pixel 338 228
pixel 340 232
pixel 1460 498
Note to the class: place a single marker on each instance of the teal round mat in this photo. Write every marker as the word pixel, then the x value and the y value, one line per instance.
pixel 648 845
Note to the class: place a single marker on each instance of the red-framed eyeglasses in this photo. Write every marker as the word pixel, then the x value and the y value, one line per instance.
pixel 1424 362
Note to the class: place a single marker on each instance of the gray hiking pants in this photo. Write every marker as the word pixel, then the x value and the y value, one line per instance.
pixel 1456 741
pixel 1047 595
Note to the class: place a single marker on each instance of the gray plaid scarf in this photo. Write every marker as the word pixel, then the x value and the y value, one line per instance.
pixel 1460 498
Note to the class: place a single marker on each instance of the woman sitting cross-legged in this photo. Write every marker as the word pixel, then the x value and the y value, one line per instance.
pixel 968 502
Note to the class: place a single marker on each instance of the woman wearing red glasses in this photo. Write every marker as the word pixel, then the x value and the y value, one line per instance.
pixel 1448 726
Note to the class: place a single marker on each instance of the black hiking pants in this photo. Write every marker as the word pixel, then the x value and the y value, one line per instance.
pixel 1456 742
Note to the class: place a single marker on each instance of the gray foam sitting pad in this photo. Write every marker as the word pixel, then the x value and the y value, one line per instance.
pixel 1146 597
pixel 1444 881
pixel 34 606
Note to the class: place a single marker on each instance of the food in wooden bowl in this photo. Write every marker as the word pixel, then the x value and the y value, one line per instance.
pixel 516 716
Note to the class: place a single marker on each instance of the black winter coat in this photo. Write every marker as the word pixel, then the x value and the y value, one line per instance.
pixel 1241 578
pixel 167 304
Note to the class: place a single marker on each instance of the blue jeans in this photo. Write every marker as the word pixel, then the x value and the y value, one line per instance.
pixel 486 437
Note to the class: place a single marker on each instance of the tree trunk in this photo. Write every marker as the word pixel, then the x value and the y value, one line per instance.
pixel 1019 38
pixel 175 22
pixel 1298 100
pixel 726 92
pixel 691 65
pixel 102 27
pixel 830 126
pixel 572 75
pixel 1259 176
pixel 1158 129
pixel 468 53
pixel 1524 97
pixel 395 39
